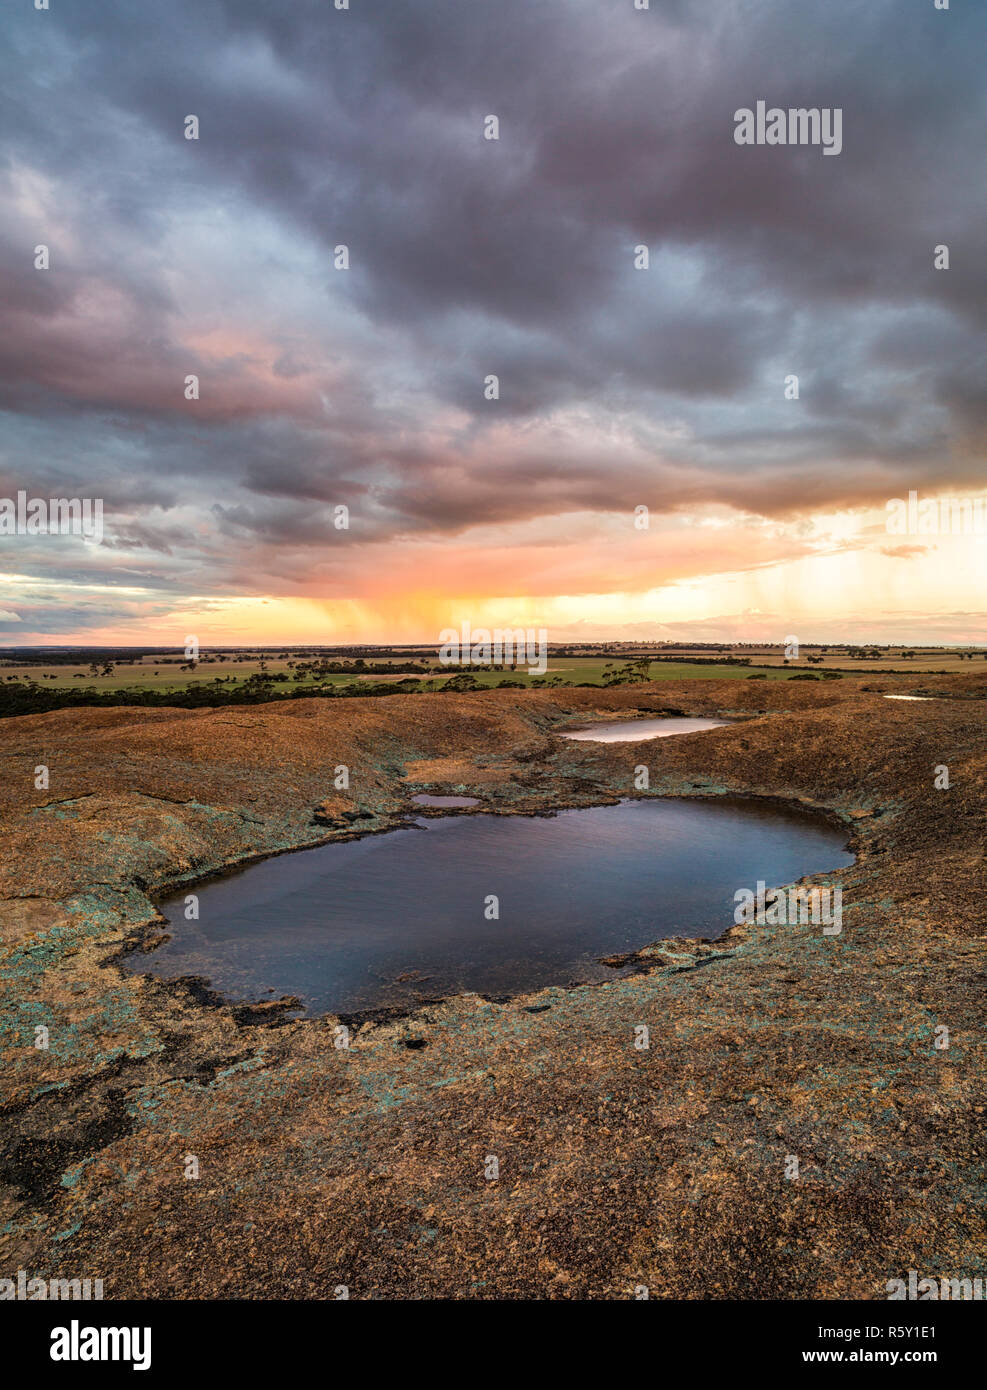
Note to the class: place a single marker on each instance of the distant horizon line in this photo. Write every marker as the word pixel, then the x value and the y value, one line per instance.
pixel 430 644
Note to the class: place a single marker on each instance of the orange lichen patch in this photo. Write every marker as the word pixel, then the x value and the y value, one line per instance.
pixel 21 917
pixel 456 772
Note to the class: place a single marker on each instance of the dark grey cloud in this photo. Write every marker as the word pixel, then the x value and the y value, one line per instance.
pixel 472 257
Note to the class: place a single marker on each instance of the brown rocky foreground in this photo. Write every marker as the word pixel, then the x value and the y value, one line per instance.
pixel 322 1167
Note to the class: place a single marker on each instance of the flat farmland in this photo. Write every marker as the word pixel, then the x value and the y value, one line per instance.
pixel 289 669
pixel 236 672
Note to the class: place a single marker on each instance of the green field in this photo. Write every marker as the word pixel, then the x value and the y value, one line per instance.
pixel 160 677
pixel 234 674
pixel 575 670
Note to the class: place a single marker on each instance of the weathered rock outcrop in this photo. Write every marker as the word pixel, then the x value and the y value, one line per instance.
pixel 321 1165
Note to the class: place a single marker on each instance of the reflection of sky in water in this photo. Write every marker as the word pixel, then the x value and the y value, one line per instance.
pixel 631 730
pixel 340 925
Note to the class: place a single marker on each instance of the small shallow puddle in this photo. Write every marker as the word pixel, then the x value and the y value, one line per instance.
pixel 389 920
pixel 632 730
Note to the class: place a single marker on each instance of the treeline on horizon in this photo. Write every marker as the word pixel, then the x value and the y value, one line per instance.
pixel 17 698
pixel 663 651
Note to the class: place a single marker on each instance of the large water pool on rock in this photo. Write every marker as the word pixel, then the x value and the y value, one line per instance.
pixel 397 918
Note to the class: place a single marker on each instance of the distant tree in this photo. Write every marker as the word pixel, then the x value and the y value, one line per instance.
pixel 465 680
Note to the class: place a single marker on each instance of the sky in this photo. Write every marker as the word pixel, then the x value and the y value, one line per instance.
pixel 620 388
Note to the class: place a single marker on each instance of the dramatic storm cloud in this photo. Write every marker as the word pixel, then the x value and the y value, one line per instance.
pixel 516 257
